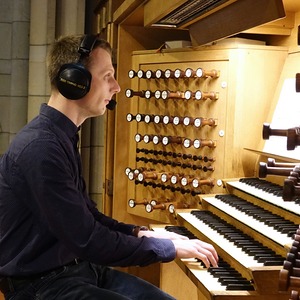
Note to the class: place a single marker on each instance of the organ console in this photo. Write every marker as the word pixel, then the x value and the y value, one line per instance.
pixel 237 215
pixel 184 148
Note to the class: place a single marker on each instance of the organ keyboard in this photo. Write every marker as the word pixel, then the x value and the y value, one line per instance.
pixel 224 281
pixel 266 191
pixel 252 229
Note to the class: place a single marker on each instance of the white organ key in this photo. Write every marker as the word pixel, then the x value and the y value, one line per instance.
pixel 281 239
pixel 210 282
pixel 268 197
pixel 229 247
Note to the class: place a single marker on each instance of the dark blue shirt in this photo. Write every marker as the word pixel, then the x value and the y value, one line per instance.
pixel 46 216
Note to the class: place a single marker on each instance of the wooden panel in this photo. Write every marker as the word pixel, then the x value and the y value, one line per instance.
pixel 237 15
pixel 179 286
pixel 130 38
pixel 156 9
pixel 282 26
pixel 182 108
pixel 244 96
pixel 126 45
pixel 125 9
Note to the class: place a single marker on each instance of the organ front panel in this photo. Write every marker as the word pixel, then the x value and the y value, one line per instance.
pixel 189 113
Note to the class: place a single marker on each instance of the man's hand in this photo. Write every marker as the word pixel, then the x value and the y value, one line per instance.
pixel 196 249
pixel 186 248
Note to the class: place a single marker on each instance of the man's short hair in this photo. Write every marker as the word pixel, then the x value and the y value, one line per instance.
pixel 64 50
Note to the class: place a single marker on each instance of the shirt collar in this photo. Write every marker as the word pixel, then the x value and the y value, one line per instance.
pixel 59 119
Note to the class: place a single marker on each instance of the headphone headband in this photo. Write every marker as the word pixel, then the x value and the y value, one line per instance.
pixel 87 45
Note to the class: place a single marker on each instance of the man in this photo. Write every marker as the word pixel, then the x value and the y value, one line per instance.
pixel 54 243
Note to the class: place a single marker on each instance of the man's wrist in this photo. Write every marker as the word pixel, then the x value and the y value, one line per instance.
pixel 137 229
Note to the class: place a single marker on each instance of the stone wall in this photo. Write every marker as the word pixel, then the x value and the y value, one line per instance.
pixel 14 61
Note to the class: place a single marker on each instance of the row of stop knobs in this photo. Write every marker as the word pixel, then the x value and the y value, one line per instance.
pixel 141 175
pixel 153 204
pixel 175 120
pixel 184 156
pixel 174 164
pixel 177 73
pixel 166 94
pixel 166 140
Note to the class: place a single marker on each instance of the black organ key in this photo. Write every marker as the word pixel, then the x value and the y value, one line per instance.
pixel 246 286
pixel 181 230
pixel 220 273
pixel 230 277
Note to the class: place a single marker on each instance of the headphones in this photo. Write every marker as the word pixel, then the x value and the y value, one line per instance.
pixel 74 80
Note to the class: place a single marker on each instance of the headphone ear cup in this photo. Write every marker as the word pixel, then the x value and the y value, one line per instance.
pixel 73 81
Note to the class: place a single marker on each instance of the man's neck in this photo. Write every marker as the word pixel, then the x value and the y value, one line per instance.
pixel 68 107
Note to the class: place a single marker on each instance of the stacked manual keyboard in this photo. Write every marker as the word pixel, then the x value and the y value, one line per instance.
pixel 224 276
pixel 252 228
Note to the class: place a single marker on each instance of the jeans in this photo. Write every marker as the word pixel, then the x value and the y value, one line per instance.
pixel 88 281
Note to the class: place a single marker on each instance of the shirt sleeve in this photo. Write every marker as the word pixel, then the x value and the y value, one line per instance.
pixel 112 223
pixel 61 208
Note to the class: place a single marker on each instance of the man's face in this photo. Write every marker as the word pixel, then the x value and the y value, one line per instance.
pixel 103 85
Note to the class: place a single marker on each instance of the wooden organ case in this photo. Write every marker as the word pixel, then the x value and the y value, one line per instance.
pixel 189 115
